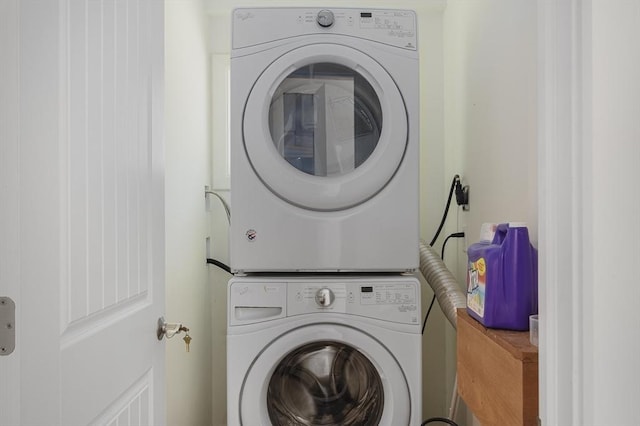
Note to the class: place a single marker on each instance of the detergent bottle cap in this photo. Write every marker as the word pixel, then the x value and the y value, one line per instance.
pixel 487 231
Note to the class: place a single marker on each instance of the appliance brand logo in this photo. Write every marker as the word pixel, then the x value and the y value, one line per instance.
pixel 251 235
pixel 243 16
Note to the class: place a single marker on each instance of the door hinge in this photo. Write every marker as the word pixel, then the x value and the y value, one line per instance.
pixel 7 326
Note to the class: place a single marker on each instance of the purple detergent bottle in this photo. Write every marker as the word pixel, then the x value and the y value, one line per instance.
pixel 502 279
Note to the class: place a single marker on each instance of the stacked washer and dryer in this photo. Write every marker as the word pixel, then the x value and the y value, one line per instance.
pixel 324 309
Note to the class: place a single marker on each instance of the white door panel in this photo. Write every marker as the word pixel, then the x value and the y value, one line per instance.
pixel 85 190
pixel 9 211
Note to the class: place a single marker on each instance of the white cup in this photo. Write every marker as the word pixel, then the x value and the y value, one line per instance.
pixel 533 329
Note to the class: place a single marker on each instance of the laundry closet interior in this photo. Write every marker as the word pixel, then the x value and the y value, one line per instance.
pixel 477 96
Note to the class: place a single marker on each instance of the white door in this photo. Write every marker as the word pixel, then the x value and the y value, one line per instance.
pixel 82 222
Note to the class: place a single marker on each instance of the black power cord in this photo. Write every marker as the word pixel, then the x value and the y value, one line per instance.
pixel 424 323
pixel 219 264
pixel 439 419
pixel 456 179
pixel 433 299
pixel 462 199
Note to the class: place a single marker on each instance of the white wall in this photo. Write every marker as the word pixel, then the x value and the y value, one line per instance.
pixel 589 213
pixel 613 349
pixel 490 98
pixel 189 385
pixel 491 108
pixel 612 239
pixel 220 35
pixel 611 332
pixel 437 361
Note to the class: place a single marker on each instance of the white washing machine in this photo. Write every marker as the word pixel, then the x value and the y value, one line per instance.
pixel 324 128
pixel 313 351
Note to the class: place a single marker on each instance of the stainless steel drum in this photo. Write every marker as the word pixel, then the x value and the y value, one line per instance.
pixel 325 383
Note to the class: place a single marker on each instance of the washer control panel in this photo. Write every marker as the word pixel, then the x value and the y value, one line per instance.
pixel 258 299
pixel 395 301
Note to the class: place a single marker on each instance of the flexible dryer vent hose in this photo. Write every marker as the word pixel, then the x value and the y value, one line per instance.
pixel 444 285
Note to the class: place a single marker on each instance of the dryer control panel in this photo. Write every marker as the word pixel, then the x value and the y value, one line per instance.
pixel 262 25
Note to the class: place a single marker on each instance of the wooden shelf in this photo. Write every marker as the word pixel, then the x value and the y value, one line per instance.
pixel 497 373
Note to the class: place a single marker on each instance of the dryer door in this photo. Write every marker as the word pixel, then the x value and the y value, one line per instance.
pixel 325 127
pixel 325 374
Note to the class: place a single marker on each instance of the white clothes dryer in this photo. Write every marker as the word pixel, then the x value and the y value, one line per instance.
pixel 314 351
pixel 324 124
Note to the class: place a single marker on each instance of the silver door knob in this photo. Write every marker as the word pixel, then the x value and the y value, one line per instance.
pixel 169 329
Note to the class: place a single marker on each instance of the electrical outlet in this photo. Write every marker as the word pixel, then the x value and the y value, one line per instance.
pixel 462 194
pixel 465 191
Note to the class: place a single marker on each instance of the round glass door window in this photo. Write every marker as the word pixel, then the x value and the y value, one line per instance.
pixel 313 127
pixel 325 383
pixel 325 119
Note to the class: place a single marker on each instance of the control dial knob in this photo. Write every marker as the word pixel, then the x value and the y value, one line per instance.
pixel 325 297
pixel 325 18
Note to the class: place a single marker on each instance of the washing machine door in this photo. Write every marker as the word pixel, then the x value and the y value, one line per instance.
pixel 325 374
pixel 325 127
